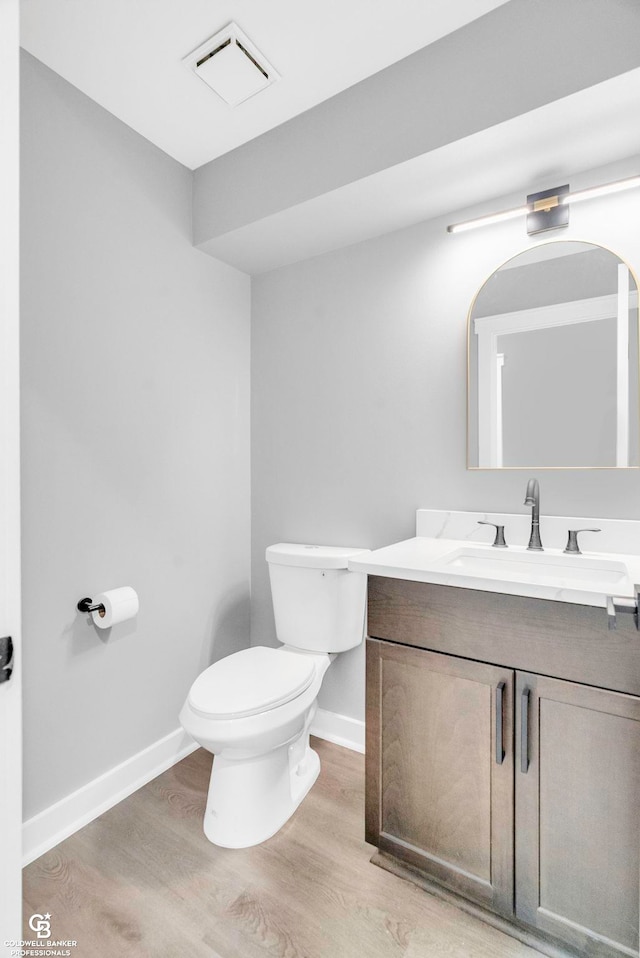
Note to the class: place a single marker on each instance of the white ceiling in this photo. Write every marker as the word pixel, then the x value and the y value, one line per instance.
pixel 126 55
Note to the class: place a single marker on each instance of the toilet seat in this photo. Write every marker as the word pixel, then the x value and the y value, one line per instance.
pixel 251 681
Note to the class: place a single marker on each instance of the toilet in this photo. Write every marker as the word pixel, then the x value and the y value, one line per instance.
pixel 253 709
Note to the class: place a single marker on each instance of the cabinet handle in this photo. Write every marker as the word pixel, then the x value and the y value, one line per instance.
pixel 499 723
pixel 616 604
pixel 524 731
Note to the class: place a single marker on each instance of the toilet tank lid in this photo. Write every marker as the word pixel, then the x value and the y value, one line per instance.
pixel 312 557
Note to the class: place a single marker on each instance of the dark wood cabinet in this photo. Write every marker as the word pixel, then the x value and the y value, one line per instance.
pixel 578 814
pixel 444 795
pixel 517 791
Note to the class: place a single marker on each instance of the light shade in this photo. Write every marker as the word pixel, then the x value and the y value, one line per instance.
pixel 490 218
pixel 594 191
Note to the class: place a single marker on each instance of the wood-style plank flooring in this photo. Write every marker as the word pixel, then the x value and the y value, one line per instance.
pixel 142 881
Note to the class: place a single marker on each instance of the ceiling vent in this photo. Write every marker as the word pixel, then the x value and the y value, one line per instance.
pixel 231 65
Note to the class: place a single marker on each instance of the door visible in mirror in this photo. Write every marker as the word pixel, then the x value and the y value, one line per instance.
pixel 553 362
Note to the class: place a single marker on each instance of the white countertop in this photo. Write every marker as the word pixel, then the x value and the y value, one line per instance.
pixel 585 579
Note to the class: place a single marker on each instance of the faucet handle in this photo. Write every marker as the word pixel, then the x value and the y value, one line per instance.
pixel 572 546
pixel 499 541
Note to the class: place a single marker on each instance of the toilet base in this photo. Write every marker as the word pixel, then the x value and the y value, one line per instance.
pixel 249 800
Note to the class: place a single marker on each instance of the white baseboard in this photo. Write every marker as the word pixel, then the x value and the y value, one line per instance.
pixel 51 826
pixel 339 729
pixel 59 821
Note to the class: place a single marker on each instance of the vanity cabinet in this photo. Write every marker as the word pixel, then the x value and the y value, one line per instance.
pixel 445 802
pixel 515 790
pixel 578 813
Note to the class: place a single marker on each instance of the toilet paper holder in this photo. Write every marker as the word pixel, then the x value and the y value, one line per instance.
pixel 88 605
pixel 111 607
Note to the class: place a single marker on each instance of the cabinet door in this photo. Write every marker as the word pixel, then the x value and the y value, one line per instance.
pixel 578 813
pixel 440 768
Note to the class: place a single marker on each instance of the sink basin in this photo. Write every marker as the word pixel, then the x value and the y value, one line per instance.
pixel 558 569
pixel 584 579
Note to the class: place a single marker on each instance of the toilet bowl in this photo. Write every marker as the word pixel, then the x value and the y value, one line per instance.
pixel 263 765
pixel 253 709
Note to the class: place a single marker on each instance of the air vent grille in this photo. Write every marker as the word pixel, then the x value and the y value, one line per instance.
pixel 208 56
pixel 253 60
pixel 232 66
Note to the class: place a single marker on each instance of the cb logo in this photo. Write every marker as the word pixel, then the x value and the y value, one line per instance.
pixel 41 924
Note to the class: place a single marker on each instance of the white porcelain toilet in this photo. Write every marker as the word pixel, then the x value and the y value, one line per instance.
pixel 253 709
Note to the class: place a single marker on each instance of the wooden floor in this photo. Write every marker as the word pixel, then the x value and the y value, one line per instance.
pixel 142 880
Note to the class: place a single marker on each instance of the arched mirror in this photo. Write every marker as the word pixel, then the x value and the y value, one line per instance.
pixel 553 362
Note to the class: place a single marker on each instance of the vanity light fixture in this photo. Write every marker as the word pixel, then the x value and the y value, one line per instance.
pixel 545 210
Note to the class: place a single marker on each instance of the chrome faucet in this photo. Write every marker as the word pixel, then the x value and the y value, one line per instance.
pixel 532 498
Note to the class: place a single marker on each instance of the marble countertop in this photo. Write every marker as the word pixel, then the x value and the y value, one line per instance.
pixel 585 579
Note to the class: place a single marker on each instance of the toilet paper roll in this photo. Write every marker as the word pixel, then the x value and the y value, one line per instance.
pixel 119 605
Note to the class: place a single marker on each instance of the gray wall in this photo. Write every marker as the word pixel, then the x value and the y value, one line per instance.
pixel 135 425
pixel 359 395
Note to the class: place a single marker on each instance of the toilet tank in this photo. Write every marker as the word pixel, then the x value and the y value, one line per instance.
pixel 318 604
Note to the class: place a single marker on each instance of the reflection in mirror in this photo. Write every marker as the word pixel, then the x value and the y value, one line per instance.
pixel 553 361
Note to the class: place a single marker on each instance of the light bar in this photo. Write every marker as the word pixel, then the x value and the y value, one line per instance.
pixel 594 191
pixel 591 193
pixel 491 218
